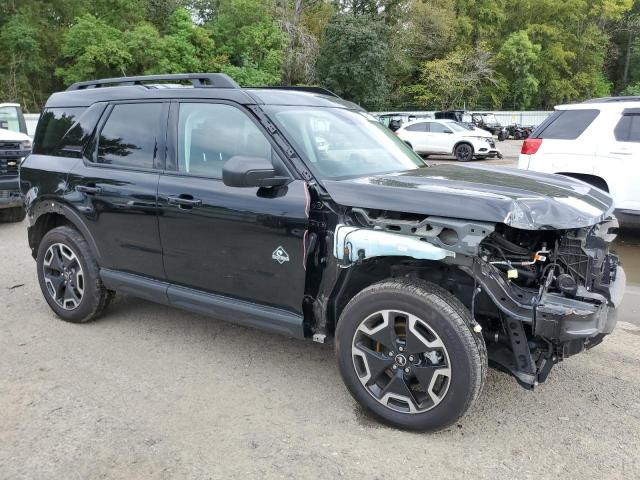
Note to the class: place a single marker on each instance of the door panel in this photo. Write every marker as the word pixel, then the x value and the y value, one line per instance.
pixel 441 142
pixel 245 243
pixel 120 210
pixel 115 186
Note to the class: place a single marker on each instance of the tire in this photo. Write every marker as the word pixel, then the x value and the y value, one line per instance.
pixel 502 136
pixel 463 152
pixel 13 214
pixel 454 373
pixel 64 256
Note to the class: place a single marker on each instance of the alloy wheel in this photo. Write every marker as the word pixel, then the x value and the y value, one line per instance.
pixel 401 361
pixel 63 276
pixel 464 153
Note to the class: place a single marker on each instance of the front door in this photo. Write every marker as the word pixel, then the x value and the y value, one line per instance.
pixel 245 243
pixel 441 137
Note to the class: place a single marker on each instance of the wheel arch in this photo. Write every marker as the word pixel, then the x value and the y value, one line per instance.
pixel 49 215
pixel 360 276
pixel 460 142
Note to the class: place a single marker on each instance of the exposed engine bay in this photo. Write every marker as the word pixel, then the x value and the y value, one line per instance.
pixel 538 295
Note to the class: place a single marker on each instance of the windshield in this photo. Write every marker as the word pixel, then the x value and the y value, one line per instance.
pixel 340 143
pixel 9 119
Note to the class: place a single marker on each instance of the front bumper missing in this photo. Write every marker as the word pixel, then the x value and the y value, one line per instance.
pixel 561 326
pixel 565 319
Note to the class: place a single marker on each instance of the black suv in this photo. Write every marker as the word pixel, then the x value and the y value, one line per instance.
pixel 298 213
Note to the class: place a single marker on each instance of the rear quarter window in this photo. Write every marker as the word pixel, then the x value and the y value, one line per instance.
pixel 566 124
pixel 53 125
pixel 628 127
pixel 417 127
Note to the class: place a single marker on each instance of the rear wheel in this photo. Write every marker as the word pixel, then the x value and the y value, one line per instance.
pixel 407 353
pixel 69 276
pixel 463 152
pixel 14 214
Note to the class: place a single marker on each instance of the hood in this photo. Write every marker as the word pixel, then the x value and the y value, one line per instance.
pixel 13 136
pixel 479 132
pixel 519 198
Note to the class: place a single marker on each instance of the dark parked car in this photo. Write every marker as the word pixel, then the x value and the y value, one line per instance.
pixel 298 213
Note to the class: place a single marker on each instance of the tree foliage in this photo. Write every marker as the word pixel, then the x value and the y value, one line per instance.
pixel 352 60
pixel 380 53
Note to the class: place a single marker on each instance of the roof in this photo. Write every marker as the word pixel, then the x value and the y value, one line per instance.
pixel 613 99
pixel 207 86
pixel 9 104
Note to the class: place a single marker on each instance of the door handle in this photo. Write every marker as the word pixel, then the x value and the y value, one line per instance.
pixel 184 201
pixel 88 189
pixel 621 153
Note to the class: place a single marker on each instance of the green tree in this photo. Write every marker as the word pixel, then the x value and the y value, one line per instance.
pixel 245 32
pixel 185 48
pixel 93 49
pixel 456 80
pixel 352 59
pixel 516 61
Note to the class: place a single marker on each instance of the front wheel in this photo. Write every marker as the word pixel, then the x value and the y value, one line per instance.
pixel 463 152
pixel 408 354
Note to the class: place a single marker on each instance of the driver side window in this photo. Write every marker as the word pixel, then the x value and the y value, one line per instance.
pixel 439 128
pixel 209 134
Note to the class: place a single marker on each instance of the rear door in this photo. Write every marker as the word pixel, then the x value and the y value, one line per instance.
pixel 115 187
pixel 618 157
pixel 244 243
pixel 417 135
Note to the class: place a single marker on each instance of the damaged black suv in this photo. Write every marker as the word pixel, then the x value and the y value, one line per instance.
pixel 294 211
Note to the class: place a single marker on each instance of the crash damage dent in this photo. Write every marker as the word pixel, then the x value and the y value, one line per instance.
pixel 520 199
pixel 528 326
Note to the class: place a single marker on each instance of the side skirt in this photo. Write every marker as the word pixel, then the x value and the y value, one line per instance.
pixel 241 312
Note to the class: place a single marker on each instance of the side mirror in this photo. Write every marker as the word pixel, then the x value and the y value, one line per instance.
pixel 242 171
pixel 448 131
pixel 4 124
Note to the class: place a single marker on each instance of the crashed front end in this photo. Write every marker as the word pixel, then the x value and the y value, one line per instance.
pixel 539 296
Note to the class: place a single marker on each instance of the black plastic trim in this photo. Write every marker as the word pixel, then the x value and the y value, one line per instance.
pixel 241 312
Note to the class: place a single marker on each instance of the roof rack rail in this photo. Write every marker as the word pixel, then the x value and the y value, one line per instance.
pixel 310 89
pixel 613 99
pixel 218 80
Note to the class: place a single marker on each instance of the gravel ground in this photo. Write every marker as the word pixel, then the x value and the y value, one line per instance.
pixel 152 392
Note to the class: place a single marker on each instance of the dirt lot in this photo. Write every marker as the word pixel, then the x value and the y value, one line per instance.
pixel 153 392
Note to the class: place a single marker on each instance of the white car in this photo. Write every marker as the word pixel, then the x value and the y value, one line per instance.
pixel 598 142
pixel 447 137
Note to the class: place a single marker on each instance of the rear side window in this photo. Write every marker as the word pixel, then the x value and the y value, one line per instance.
pixel 566 124
pixel 417 127
pixel 131 135
pixel 628 128
pixel 52 127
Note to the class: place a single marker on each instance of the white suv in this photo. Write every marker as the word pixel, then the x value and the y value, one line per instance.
pixel 447 137
pixel 598 142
